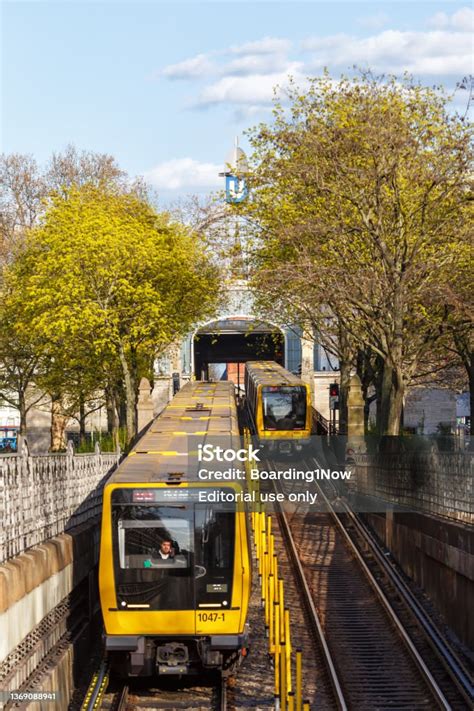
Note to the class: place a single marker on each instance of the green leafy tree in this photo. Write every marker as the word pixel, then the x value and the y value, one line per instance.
pixel 105 272
pixel 359 192
pixel 23 356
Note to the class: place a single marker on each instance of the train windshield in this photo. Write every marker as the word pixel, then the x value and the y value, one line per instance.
pixel 168 556
pixel 284 407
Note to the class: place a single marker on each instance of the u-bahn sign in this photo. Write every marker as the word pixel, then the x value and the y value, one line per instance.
pixel 235 170
pixel 235 189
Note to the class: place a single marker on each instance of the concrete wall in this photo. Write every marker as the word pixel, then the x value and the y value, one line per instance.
pixel 439 556
pixel 427 408
pixel 322 381
pixel 32 585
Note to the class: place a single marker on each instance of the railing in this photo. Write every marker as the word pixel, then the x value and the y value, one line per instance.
pixel 322 426
pixel 45 495
pixel 436 482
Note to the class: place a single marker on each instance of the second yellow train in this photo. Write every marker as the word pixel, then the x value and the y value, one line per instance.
pixel 279 407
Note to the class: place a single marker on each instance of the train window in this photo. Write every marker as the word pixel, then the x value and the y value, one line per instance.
pixel 148 544
pixel 284 407
pixel 153 554
pixel 198 558
pixel 214 554
pixel 215 537
pixel 154 536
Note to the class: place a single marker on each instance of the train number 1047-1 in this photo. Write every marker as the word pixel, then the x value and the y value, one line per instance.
pixel 211 616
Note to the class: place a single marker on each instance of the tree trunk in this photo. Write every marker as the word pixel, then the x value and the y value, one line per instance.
pixel 82 420
pixel 110 409
pixel 346 359
pixel 23 411
pixel 345 379
pixel 58 425
pixel 112 401
pixel 470 375
pixel 369 369
pixel 395 411
pixel 130 396
pixel 391 404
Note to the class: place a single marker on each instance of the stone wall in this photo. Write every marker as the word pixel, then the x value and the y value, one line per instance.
pixel 428 408
pixel 41 591
pixel 421 506
pixel 439 556
pixel 438 483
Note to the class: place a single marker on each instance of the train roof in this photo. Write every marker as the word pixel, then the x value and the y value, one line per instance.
pixel 199 413
pixel 268 372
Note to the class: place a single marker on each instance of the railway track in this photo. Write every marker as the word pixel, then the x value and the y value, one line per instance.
pixel 373 637
pixel 106 694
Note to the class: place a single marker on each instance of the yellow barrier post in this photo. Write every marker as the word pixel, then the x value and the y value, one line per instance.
pixel 271 550
pixel 277 677
pixel 291 701
pixel 281 600
pixel 265 581
pixel 306 706
pixel 289 684
pixel 299 679
pixel 275 572
pixel 283 676
pixel 268 602
pixel 271 611
pixel 277 629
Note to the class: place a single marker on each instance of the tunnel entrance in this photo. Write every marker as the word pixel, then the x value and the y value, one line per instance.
pixel 222 347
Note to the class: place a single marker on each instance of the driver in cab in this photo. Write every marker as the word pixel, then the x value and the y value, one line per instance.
pixel 167 554
pixel 166 550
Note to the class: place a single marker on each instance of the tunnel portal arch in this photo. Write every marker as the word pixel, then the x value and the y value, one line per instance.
pixel 220 348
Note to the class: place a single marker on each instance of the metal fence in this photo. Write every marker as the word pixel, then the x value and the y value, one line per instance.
pixel 44 495
pixel 438 483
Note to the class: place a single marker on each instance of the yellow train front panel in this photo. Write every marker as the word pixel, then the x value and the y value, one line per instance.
pixel 203 588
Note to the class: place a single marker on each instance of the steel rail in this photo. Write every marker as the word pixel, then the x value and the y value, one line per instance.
pixel 446 655
pixel 420 663
pixel 123 698
pixel 95 692
pixel 223 694
pixel 311 608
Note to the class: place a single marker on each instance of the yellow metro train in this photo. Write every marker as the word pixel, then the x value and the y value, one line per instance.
pixel 175 569
pixel 279 407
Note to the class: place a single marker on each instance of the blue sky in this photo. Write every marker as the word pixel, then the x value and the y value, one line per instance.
pixel 165 86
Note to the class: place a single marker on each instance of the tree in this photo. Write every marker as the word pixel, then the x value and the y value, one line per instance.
pixel 22 189
pixel 105 272
pixel 359 190
pixel 23 355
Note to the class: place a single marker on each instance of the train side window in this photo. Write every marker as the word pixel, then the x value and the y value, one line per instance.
pixel 215 538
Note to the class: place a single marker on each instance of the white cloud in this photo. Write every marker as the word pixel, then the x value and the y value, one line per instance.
pixel 184 173
pixel 255 89
pixel 266 45
pixel 374 22
pixel 197 66
pixel 437 52
pixel 439 21
pixel 256 64
pixel 462 20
